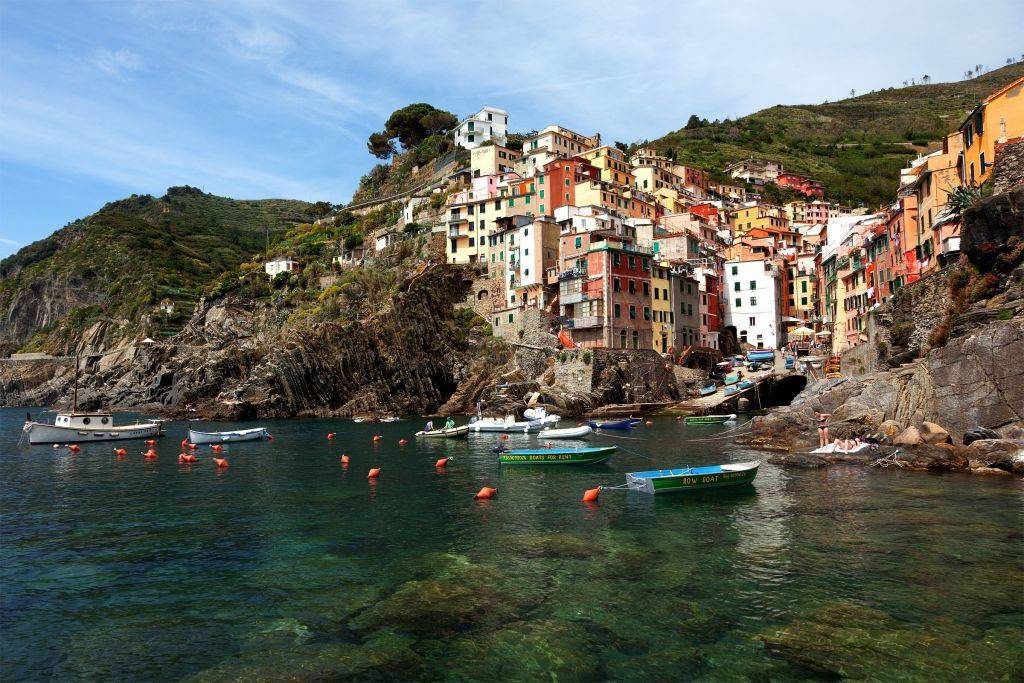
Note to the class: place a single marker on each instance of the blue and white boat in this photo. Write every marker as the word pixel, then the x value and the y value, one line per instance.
pixel 683 479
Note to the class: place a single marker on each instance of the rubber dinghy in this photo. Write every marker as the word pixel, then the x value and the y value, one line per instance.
pixel 616 424
pixel 451 433
pixel 254 434
pixel 556 456
pixel 684 479
pixel 566 433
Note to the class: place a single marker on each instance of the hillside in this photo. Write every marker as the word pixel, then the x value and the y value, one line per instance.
pixel 855 146
pixel 122 260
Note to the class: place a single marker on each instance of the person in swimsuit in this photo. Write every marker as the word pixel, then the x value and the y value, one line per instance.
pixel 822 420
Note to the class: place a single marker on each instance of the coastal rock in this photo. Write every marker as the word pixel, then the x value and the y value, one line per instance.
pixel 933 434
pixel 908 437
pixel 890 428
pixel 977 433
pixel 933 458
pixel 1002 454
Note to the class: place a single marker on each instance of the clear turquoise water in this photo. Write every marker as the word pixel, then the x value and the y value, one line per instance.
pixel 288 565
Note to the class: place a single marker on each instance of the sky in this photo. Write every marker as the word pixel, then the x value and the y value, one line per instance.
pixel 255 99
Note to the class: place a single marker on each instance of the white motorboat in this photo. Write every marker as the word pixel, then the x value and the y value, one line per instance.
pixel 254 434
pixel 506 424
pixel 566 432
pixel 390 418
pixel 77 427
pixel 540 415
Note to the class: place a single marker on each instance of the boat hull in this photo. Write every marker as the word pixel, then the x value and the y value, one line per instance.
pixel 39 433
pixel 453 433
pixel 708 419
pixel 708 390
pixel 614 424
pixel 254 434
pixel 551 456
pixel 508 427
pixel 565 433
pixel 684 480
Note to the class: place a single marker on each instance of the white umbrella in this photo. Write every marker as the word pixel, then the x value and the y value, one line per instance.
pixel 824 333
pixel 801 332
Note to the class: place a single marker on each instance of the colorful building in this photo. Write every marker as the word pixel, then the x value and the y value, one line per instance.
pixel 998 118
pixel 490 123
pixel 753 302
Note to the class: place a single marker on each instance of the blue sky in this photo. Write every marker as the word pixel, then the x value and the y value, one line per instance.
pixel 275 99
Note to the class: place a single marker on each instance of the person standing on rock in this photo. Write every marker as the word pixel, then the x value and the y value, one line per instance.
pixel 822 420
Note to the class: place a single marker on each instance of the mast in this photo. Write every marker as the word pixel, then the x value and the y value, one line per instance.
pixel 74 399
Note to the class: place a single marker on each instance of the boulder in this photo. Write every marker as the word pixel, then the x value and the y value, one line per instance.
pixel 1002 454
pixel 908 437
pixel 972 435
pixel 890 428
pixel 933 434
pixel 990 470
pixel 934 458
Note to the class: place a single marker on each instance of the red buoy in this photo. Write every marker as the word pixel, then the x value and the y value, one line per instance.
pixel 193 446
pixel 120 452
pixel 402 442
pixel 216 448
pixel 377 437
pixel 74 448
pixel 150 442
pixel 504 437
pixel 590 495
pixel 443 462
pixel 344 459
pixel 149 455
pixel 270 437
pixel 486 493
pixel 221 463
pixel 330 435
pixel 374 473
pixel 184 444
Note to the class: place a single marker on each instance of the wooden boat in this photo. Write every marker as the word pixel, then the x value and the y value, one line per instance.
pixel 708 419
pixel 452 433
pixel 732 378
pixel 556 456
pixel 565 433
pixel 732 390
pixel 693 478
pixel 254 434
pixel 708 389
pixel 614 424
pixel 77 427
pixel 745 384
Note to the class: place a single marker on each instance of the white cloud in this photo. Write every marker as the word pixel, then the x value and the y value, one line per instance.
pixel 13 243
pixel 117 63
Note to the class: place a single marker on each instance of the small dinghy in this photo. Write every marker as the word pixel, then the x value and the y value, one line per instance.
pixel 732 378
pixel 451 433
pixel 508 424
pixel 565 433
pixel 708 389
pixel 540 415
pixel 254 434
pixel 692 478
pixel 615 424
pixel 745 384
pixel 556 456
pixel 708 419
pixel 731 391
pixel 390 418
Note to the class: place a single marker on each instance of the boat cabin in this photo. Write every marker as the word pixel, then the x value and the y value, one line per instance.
pixel 84 420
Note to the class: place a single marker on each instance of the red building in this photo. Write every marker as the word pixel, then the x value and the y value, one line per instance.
pixel 802 184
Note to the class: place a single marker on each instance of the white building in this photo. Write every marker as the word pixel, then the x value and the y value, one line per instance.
pixel 753 302
pixel 490 123
pixel 281 265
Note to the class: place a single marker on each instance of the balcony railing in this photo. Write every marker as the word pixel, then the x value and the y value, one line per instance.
pixel 585 322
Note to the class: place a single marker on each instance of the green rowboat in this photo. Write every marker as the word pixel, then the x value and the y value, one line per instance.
pixel 708 419
pixel 692 478
pixel 556 456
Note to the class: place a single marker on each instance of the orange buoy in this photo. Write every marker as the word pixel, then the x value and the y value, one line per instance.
pixel 377 437
pixel 330 435
pixel 344 459
pixel 374 473
pixel 150 442
pixel 216 448
pixel 74 448
pixel 184 444
pixel 221 463
pixel 120 452
pixel 270 437
pixel 182 458
pixel 150 454
pixel 590 495
pixel 443 462
pixel 193 446
pixel 402 442
pixel 648 423
pixel 486 493
pixel 504 437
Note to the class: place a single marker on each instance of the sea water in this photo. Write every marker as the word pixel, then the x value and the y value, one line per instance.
pixel 289 565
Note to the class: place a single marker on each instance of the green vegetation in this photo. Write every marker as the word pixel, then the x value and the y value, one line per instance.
pixel 855 146
pixel 411 126
pixel 132 253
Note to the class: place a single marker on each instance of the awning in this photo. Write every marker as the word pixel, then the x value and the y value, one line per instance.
pixel 823 333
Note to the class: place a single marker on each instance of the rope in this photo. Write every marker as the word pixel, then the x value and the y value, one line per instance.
pixel 728 434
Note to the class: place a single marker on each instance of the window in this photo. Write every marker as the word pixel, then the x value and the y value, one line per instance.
pixel 540 179
pixel 526 273
pixel 646 264
pixel 510 317
pixel 657 294
pixel 481 225
pixel 753 284
pixel 616 260
pixel 566 196
pixel 542 208
pixel 567 182
pixel 736 287
pixel 803 301
pixel 511 202
pixel 472 241
pixel 579 242
pixel 618 313
pixel 632 262
pixel 735 270
pixel 803 286
pixel 753 301
pixel 527 199
pixel 471 138
pixel 497 204
pixel 647 313
pixel 647 289
pixel 471 124
pixel 738 302
pixel 632 286
pixel 542 194
pixel 752 322
pixel 689 309
pixel 632 312
pixel 495 322
pixel 983 165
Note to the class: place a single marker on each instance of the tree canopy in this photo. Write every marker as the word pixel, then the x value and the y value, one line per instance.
pixel 410 126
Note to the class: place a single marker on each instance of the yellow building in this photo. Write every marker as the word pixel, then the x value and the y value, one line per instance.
pixel 930 183
pixel 492 160
pixel 473 217
pixel 663 320
pixel 611 161
pixel 763 216
pixel 998 118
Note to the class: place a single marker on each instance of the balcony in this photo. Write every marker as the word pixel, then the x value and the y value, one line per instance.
pixel 585 322
pixel 453 231
pixel 572 273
